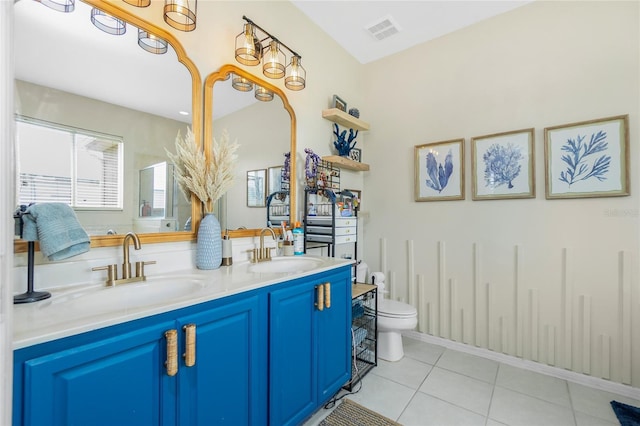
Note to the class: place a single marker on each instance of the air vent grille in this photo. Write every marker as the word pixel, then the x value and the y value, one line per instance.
pixel 383 28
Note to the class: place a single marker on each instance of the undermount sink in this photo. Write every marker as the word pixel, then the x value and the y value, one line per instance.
pixel 286 264
pixel 131 295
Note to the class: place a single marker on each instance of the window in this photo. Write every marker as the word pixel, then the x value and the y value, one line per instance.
pixel 63 164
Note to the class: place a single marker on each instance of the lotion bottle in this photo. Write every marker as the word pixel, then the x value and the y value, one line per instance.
pixel 298 240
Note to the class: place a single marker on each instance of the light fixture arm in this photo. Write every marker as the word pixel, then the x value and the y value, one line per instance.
pixel 269 36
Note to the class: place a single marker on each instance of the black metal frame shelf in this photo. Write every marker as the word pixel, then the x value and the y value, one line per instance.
pixel 364 327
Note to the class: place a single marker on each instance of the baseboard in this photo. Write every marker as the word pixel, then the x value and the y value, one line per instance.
pixel 561 373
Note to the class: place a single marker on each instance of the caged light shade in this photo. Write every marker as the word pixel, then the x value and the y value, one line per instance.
pixel 273 60
pixel 151 43
pixel 263 94
pixel 107 23
pixel 138 3
pixel 296 75
pixel 60 5
pixel 241 83
pixel 248 46
pixel 181 14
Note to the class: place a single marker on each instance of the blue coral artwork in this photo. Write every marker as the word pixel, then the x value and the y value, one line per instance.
pixel 587 159
pixel 439 171
pixel 502 165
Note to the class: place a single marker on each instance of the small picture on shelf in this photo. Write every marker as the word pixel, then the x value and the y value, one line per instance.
pixel 355 154
pixel 339 103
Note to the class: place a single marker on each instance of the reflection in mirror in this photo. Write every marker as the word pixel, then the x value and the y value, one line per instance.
pixel 265 132
pixel 274 179
pixel 256 185
pixel 158 190
pixel 69 72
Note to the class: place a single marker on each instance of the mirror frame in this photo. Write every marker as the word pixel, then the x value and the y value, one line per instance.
pixel 118 11
pixel 222 74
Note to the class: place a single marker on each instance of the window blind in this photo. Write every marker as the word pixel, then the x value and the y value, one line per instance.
pixel 59 163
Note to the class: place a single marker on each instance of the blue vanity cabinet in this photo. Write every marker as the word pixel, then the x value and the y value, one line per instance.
pixel 117 375
pixel 309 352
pixel 228 381
pixel 107 381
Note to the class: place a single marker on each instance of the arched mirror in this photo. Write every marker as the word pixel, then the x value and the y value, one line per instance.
pixel 71 77
pixel 265 131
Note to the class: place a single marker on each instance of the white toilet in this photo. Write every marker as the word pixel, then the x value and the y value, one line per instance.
pixel 393 318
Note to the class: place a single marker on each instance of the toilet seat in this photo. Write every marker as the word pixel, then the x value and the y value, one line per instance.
pixel 394 309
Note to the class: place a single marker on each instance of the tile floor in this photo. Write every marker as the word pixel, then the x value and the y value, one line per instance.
pixel 433 385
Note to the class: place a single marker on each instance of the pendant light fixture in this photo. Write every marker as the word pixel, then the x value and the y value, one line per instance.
pixel 65 6
pixel 241 83
pixel 181 14
pixel 251 50
pixel 273 61
pixel 107 23
pixel 263 94
pixel 296 75
pixel 151 43
pixel 248 46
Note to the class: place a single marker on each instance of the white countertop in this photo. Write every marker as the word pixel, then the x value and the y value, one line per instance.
pixel 66 312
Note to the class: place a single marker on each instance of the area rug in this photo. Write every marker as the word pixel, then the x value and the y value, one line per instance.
pixel 349 413
pixel 628 415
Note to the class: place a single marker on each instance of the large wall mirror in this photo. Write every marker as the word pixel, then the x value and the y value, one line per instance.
pixel 265 131
pixel 70 73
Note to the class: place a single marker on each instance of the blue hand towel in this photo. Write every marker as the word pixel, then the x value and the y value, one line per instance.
pixel 627 415
pixel 57 228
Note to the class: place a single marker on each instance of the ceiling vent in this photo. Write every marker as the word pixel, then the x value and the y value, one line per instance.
pixel 383 28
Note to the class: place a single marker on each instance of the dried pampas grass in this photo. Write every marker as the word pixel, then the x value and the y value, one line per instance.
pixel 210 181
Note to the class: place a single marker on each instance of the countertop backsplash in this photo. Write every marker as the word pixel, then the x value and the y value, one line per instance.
pixel 169 257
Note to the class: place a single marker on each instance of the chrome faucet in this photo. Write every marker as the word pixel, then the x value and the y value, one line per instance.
pixel 126 265
pixel 112 270
pixel 263 253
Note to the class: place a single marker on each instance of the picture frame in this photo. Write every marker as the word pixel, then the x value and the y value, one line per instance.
pixel 503 165
pixel 256 188
pixel 429 158
pixel 339 103
pixel 355 154
pixel 587 159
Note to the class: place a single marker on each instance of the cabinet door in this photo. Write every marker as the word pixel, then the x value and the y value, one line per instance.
pixel 292 384
pixel 334 338
pixel 112 381
pixel 227 385
pixel 309 348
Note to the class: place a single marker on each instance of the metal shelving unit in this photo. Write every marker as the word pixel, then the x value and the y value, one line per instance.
pixel 364 308
pixel 324 225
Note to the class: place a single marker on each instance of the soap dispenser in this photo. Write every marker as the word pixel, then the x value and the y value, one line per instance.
pixel 298 240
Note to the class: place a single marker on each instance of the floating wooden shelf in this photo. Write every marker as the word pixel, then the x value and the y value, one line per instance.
pixel 346 163
pixel 344 119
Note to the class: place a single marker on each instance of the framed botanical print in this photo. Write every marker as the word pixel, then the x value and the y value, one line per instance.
pixel 587 159
pixel 502 165
pixel 439 171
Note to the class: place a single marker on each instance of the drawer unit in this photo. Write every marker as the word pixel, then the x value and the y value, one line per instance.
pixel 329 229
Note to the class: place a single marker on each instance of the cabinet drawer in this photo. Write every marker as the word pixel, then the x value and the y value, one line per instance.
pixel 326 221
pixel 342 239
pixel 326 230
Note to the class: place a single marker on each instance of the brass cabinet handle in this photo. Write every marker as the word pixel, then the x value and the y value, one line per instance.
pixel 190 345
pixel 320 297
pixel 327 295
pixel 171 363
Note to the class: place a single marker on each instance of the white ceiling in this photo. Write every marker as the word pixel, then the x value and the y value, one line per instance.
pixel 45 36
pixel 418 21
